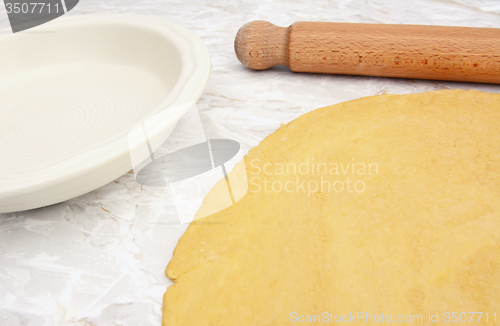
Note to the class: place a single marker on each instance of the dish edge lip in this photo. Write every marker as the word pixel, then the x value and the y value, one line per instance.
pixel 188 89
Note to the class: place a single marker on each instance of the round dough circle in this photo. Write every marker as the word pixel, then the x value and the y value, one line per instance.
pixel 420 238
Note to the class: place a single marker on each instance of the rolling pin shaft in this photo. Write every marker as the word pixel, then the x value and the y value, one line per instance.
pixel 406 51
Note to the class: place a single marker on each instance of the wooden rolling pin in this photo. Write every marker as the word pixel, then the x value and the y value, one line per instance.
pixel 406 51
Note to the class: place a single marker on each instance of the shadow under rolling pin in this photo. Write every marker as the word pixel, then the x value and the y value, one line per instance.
pixel 466 54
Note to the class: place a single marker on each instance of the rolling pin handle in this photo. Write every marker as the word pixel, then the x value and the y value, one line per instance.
pixel 260 45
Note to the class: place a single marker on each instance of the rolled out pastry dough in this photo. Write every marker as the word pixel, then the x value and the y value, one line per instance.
pixel 422 236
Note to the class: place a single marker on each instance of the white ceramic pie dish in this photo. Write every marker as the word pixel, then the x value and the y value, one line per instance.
pixel 73 89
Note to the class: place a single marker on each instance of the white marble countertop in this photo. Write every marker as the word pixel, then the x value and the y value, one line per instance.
pixel 99 259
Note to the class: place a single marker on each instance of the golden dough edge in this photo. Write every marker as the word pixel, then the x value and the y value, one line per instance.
pixel 220 186
pixel 174 267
